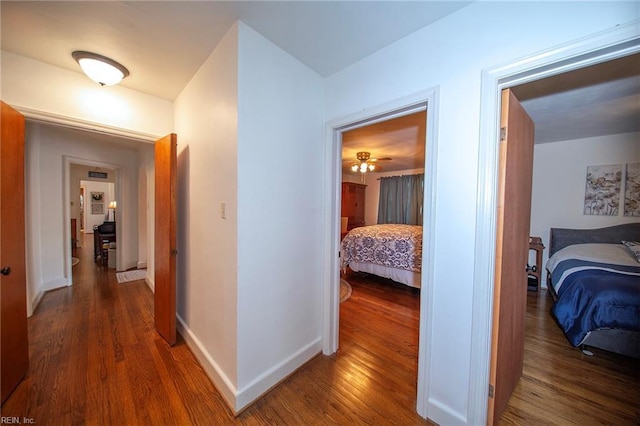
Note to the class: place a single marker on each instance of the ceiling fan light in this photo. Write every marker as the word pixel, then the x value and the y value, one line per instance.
pixel 102 70
pixel 355 167
pixel 363 156
pixel 363 167
pixel 372 167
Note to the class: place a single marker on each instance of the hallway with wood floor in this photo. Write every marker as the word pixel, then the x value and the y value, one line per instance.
pixel 96 359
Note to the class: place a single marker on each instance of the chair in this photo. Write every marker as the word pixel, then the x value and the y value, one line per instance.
pixel 105 233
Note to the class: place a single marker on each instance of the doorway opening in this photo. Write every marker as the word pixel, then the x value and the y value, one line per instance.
pixel 576 136
pixel 50 257
pixel 399 108
pixel 602 47
pixel 91 189
pixel 382 203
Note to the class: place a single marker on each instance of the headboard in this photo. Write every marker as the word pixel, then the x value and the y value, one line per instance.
pixel 562 237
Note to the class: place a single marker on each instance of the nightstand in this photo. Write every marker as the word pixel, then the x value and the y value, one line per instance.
pixel 535 271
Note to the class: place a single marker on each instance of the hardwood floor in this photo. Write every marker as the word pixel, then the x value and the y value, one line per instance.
pixel 96 359
pixel 561 385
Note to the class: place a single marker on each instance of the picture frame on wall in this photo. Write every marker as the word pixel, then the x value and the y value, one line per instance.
pixel 602 190
pixel 632 190
pixel 97 203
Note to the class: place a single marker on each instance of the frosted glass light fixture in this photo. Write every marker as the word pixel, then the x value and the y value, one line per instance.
pixel 104 71
pixel 365 163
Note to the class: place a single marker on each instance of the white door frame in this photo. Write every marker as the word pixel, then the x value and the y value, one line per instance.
pixel 420 101
pixel 601 47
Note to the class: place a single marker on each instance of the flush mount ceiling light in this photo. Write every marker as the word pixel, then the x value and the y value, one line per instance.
pixel 104 71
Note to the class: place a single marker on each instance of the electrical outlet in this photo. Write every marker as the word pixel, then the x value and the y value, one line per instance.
pixel 223 210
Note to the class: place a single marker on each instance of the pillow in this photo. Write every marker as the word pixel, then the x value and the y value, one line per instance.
pixel 634 248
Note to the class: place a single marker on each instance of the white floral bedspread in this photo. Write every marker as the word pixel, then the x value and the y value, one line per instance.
pixel 395 246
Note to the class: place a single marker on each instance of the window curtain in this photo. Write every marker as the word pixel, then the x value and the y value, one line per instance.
pixel 401 199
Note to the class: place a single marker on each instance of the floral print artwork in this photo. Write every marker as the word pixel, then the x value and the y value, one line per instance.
pixel 602 191
pixel 632 190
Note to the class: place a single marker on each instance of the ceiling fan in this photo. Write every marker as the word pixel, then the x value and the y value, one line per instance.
pixel 366 163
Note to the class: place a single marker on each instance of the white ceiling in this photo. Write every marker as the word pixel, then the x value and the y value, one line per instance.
pixel 599 100
pixel 163 43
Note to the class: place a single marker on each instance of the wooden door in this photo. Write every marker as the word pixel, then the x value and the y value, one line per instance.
pixel 512 251
pixel 165 237
pixel 14 349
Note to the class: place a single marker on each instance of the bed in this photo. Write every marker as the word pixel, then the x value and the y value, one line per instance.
pixel 594 280
pixel 391 251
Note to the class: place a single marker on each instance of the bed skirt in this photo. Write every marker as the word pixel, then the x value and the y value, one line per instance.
pixel 410 278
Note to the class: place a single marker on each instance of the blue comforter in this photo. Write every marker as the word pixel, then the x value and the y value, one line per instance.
pixel 595 295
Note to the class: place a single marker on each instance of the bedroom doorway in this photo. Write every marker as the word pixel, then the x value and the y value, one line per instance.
pixel 597 49
pixel 402 107
pixel 582 131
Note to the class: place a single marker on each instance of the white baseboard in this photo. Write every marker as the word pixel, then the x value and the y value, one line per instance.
pixel 142 264
pixel 271 378
pixel 150 283
pixel 54 284
pixel 44 288
pixel 238 400
pixel 213 370
pixel 443 415
pixel 35 302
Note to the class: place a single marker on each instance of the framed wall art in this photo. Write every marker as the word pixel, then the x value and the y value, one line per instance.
pixel 602 190
pixel 97 202
pixel 632 190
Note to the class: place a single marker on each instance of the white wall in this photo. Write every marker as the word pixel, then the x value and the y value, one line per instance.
pixel 280 127
pixel 59 94
pixel 451 55
pixel 559 172
pixel 206 124
pixel 33 212
pixel 50 149
pixel 146 213
pixel 249 284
